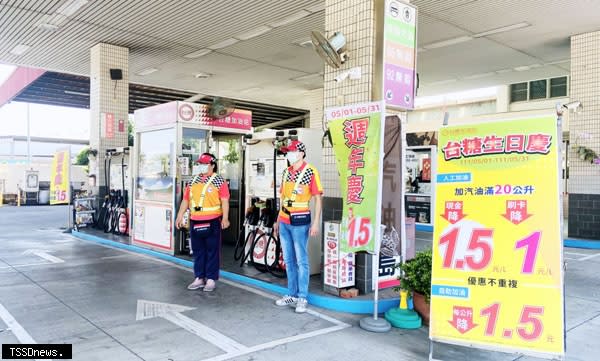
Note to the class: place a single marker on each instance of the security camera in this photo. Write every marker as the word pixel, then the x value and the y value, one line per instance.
pixel 342 76
pixel 354 73
pixel 575 106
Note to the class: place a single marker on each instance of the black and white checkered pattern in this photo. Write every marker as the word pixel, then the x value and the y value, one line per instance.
pixel 218 181
pixel 305 179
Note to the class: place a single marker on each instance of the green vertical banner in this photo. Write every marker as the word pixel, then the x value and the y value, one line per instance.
pixel 357 137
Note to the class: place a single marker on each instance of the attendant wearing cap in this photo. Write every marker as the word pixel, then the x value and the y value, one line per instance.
pixel 300 183
pixel 207 198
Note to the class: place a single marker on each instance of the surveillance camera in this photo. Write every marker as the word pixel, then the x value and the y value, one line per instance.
pixel 576 105
pixel 354 73
pixel 342 76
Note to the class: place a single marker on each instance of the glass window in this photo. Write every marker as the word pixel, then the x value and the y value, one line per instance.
pixel 518 92
pixel 558 87
pixel 537 89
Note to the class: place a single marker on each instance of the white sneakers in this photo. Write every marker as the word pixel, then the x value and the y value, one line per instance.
pixel 300 303
pixel 198 283
pixel 210 285
pixel 286 301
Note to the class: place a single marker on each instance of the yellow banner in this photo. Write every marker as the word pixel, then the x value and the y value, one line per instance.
pixel 59 177
pixel 497 280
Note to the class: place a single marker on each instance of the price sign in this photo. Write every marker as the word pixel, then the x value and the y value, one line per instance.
pixel 497 279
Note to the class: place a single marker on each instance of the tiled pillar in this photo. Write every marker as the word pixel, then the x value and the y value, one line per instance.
pixel 584 127
pixel 356 20
pixel 109 104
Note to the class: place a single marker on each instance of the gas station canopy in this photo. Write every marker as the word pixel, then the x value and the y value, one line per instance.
pixel 260 50
pixel 69 90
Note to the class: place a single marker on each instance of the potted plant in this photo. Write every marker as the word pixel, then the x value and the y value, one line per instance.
pixel 415 277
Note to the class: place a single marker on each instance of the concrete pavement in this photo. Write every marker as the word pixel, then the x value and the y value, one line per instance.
pixel 116 305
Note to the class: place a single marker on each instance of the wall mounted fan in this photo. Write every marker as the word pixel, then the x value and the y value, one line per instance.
pixel 331 50
pixel 221 108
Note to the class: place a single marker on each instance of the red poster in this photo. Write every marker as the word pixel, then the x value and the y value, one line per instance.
pixel 426 172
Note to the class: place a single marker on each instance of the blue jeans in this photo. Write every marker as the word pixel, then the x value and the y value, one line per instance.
pixel 206 246
pixel 294 241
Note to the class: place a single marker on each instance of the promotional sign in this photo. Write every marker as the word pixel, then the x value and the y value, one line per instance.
pixel 339 269
pixel 399 52
pixel 153 225
pixel 107 124
pixel 497 280
pixel 357 134
pixel 60 178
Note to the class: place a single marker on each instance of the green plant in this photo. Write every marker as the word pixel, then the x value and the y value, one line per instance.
pixel 586 154
pixel 82 157
pixel 232 155
pixel 415 275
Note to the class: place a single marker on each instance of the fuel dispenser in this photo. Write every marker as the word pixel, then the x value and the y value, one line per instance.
pixel 264 167
pixel 169 139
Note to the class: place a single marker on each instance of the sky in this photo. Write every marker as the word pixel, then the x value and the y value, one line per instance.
pixel 46 121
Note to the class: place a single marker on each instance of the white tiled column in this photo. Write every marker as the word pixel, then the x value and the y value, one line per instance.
pixel 584 127
pixel 107 97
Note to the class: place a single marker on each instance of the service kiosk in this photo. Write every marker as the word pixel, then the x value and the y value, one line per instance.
pixel 264 169
pixel 169 139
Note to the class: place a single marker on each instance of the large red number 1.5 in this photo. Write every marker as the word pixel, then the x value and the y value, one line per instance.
pixel 481 239
pixel 359 232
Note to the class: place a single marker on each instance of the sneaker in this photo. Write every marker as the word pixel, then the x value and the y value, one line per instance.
pixel 198 283
pixel 210 286
pixel 301 305
pixel 286 301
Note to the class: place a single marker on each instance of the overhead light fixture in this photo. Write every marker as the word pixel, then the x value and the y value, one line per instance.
pixel 480 75
pixel 197 54
pixel 502 29
pixel 251 90
pixel 76 93
pixel 307 77
pixel 289 19
pixel 147 71
pixel 48 27
pixel 71 7
pixel 442 82
pixel 522 68
pixel 316 8
pixel 223 44
pixel 448 42
pixel 202 75
pixel 254 33
pixel 20 49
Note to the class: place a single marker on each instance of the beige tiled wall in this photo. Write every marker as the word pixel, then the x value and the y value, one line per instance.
pixel 355 19
pixel 584 178
pixel 108 96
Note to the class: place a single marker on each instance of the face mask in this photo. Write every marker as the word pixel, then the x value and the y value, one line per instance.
pixel 293 157
pixel 203 168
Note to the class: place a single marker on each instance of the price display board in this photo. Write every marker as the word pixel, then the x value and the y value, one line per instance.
pixel 497 280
